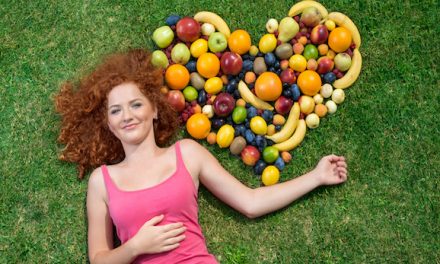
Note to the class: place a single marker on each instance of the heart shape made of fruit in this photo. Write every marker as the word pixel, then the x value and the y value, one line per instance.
pixel 258 100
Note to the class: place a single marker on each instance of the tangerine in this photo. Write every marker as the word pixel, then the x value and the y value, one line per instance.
pixel 339 39
pixel 239 41
pixel 177 76
pixel 268 86
pixel 198 126
pixel 309 82
pixel 208 65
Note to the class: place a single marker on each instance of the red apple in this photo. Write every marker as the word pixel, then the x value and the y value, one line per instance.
pixel 176 100
pixel 325 64
pixel 250 155
pixel 288 76
pixel 283 105
pixel 188 29
pixel 231 63
pixel 223 104
pixel 319 34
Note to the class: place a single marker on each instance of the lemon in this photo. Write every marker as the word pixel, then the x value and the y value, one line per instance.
pixel 298 63
pixel 270 176
pixel 213 85
pixel 225 136
pixel 267 43
pixel 198 47
pixel 258 125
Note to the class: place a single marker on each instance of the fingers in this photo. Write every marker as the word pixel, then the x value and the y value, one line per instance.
pixel 334 158
pixel 155 220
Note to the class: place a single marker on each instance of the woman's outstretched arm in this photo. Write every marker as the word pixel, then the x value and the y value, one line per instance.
pixel 253 203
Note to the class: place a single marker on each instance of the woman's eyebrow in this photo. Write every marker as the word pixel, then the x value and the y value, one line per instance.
pixel 130 102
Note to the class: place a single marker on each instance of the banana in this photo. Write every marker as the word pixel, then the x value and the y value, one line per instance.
pixel 289 127
pixel 352 74
pixel 300 6
pixel 216 20
pixel 344 21
pixel 249 97
pixel 295 139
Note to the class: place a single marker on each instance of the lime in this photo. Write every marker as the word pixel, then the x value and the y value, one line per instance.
pixel 190 93
pixel 258 125
pixel 311 52
pixel 239 114
pixel 270 175
pixel 270 154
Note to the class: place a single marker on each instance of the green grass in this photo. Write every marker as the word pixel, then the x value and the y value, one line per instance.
pixel 387 128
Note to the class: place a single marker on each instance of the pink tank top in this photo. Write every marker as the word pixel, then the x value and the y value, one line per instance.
pixel 176 199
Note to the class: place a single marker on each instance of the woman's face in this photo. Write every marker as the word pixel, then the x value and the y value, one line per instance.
pixel 129 113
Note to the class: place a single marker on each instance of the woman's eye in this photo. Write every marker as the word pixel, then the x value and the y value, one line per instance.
pixel 114 111
pixel 137 105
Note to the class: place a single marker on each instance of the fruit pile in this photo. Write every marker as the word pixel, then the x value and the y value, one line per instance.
pixel 258 100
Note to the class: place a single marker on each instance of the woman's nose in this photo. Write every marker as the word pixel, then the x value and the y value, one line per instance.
pixel 127 115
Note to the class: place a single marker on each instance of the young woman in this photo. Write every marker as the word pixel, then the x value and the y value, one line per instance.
pixel 117 116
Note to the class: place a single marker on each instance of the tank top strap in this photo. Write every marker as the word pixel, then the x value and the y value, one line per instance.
pixel 109 185
pixel 179 159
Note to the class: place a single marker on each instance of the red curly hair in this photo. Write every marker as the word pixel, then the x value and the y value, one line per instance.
pixel 83 108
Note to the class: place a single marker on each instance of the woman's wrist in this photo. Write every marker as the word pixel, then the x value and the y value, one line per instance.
pixel 132 247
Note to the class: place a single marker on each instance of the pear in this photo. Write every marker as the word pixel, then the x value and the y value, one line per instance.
pixel 287 29
pixel 311 16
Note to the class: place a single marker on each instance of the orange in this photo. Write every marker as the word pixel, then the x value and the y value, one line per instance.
pixel 208 65
pixel 268 86
pixel 339 39
pixel 198 126
pixel 239 41
pixel 177 76
pixel 309 82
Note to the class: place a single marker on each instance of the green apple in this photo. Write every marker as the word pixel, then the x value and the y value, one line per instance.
pixel 159 59
pixel 310 52
pixel 163 36
pixel 270 154
pixel 217 42
pixel 180 54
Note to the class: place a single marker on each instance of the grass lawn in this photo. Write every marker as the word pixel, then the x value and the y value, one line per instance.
pixel 388 129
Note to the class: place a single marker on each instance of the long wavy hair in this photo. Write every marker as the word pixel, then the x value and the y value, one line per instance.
pixel 83 109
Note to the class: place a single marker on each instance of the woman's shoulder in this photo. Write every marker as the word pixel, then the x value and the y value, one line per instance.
pixel 96 179
pixel 190 146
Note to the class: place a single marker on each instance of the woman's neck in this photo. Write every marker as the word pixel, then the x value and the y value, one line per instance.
pixel 147 150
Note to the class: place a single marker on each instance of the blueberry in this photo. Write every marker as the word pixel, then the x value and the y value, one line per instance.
pixel 252 58
pixel 251 112
pixel 191 66
pixel 251 85
pixel 329 77
pixel 267 115
pixel 233 82
pixel 241 75
pixel 259 167
pixel 279 163
pixel 287 93
pixel 229 88
pixel 272 69
pixel 201 99
pixel 269 142
pixel 277 64
pixel 286 85
pixel 248 65
pixel 241 129
pixel 278 71
pixel 270 59
pixel 218 122
pixel 250 136
pixel 278 127
pixel 172 20
pixel 261 141
pixel 295 92
pixel 245 57
pixel 237 94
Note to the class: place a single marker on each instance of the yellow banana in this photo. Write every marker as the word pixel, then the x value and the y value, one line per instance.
pixel 300 6
pixel 289 127
pixel 352 74
pixel 344 21
pixel 295 139
pixel 249 97
pixel 214 19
